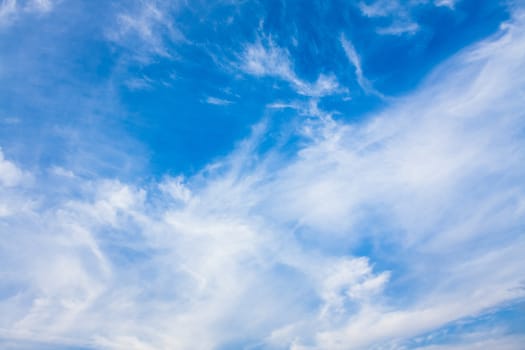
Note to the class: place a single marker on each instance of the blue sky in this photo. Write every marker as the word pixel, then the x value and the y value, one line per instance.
pixel 262 174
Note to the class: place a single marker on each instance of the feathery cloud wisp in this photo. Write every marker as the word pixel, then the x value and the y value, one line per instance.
pixel 270 60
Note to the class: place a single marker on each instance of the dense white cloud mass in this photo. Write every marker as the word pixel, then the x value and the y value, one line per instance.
pixel 271 249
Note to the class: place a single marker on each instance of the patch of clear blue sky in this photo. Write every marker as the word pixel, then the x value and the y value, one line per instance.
pixel 62 63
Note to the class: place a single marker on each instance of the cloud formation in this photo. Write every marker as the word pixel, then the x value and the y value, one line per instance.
pixel 214 259
pixel 370 234
pixel 354 59
pixel 217 101
pixel 267 59
pixel 144 29
pixel 11 9
pixel 399 14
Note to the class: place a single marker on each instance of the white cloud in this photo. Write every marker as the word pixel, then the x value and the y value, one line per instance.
pixel 379 8
pixel 399 14
pixel 176 188
pixel 7 9
pixel 60 171
pixel 446 3
pixel 217 101
pixel 10 174
pixel 40 5
pixel 353 57
pixel 192 263
pixel 267 59
pixel 399 28
pixel 147 30
pixel 480 342
pixel 12 9
pixel 142 83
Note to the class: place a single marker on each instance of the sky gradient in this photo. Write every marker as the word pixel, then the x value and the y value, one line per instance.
pixel 302 175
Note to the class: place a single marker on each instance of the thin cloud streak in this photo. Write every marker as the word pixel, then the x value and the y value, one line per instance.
pixel 354 59
pixel 267 59
pixel 217 101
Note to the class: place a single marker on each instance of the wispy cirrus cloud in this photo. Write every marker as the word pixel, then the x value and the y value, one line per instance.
pixel 401 19
pixel 217 101
pixel 399 13
pixel 147 30
pixel 447 3
pixel 194 262
pixel 355 60
pixel 11 9
pixel 265 58
pixel 480 341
